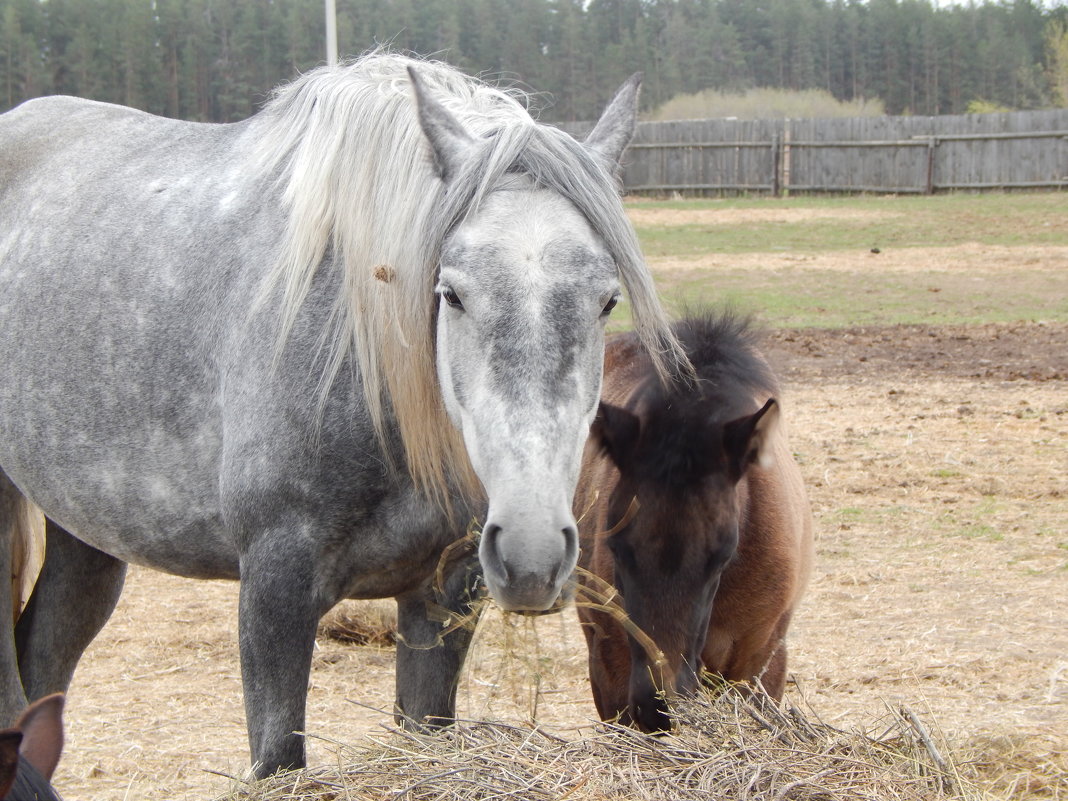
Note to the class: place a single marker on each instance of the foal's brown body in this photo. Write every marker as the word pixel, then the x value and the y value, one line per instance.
pixel 731 506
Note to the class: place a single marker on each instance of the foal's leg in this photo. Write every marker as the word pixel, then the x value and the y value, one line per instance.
pixel 277 616
pixel 760 654
pixel 72 600
pixel 773 675
pixel 609 663
pixel 435 625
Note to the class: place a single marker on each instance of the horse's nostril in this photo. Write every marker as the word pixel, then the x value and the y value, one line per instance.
pixel 651 715
pixel 490 534
pixel 567 564
pixel 571 542
pixel 686 681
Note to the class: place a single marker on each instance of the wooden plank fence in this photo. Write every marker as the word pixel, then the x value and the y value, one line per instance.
pixel 1014 150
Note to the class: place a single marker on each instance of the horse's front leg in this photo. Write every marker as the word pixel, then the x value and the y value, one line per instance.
pixel 435 624
pixel 278 613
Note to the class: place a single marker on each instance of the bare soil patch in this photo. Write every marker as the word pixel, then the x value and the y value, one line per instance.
pixel 995 351
pixel 969 258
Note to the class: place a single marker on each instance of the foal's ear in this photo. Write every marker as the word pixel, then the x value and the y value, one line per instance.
pixel 748 439
pixel 612 133
pixel 449 141
pixel 42 733
pixel 616 430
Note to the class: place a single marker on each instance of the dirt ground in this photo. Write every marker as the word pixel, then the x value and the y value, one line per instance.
pixel 936 462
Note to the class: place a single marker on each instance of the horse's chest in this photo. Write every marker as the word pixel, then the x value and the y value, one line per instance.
pixel 391 548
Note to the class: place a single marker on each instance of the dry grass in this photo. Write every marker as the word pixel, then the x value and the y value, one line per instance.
pixel 940 585
pixel 727 746
pixel 372 623
pixel 757 104
pixel 1013 766
pixel 645 216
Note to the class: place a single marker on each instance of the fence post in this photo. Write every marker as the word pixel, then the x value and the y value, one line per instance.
pixel 785 157
pixel 776 163
pixel 931 143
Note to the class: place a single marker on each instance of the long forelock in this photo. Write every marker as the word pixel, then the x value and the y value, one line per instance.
pixel 555 161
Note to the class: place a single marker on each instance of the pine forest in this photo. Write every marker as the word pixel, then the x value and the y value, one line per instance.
pixel 216 60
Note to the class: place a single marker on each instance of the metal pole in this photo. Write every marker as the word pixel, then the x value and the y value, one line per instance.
pixel 331 33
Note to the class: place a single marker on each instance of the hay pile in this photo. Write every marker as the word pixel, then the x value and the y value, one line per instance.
pixel 725 747
pixel 369 623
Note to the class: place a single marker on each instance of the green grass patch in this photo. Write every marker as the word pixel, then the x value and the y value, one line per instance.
pixel 849 514
pixel 980 531
pixel 970 523
pixel 946 472
pixel 833 299
pixel 840 297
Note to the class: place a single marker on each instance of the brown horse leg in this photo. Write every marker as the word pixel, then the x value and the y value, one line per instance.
pixel 773 679
pixel 759 660
pixel 609 665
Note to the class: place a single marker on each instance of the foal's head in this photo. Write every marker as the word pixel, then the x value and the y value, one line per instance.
pixel 682 455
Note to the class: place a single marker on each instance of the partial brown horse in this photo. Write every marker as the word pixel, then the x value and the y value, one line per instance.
pixel 693 510
pixel 29 752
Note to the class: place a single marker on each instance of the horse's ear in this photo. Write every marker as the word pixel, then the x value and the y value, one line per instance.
pixel 612 133
pixel 748 439
pixel 448 140
pixel 9 758
pixel 41 725
pixel 616 430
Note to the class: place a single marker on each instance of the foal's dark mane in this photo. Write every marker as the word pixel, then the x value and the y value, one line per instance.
pixel 682 426
pixel 725 352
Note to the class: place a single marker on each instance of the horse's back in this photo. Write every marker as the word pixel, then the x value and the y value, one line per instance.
pixel 117 261
pixel 43 138
pixel 60 120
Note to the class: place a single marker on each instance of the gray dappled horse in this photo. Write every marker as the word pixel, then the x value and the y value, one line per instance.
pixel 303 351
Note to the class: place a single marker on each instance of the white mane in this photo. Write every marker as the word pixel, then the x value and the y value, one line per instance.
pixel 359 180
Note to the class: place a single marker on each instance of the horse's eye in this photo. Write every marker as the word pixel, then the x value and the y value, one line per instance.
pixel 612 303
pixel 622 552
pixel 449 295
